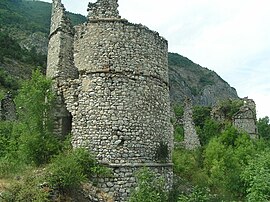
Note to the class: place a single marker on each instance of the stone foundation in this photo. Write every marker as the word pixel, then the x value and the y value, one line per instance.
pixel 123 181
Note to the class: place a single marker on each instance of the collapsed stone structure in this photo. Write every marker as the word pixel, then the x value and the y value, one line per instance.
pixel 191 139
pixel 245 118
pixel 111 79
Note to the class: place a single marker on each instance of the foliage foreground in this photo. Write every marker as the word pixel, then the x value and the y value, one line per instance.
pixel 230 166
pixel 35 164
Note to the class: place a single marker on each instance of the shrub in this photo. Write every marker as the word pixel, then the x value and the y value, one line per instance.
pixel 210 129
pixel 230 107
pixel 178 110
pixel 188 165
pixel 150 188
pixel 200 115
pixel 5 137
pixel 264 128
pixel 225 158
pixel 198 194
pixel 69 169
pixel 256 176
pixel 178 133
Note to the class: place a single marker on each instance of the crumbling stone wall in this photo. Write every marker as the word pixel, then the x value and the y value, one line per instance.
pixel 191 139
pixel 119 101
pixel 245 118
pixel 106 9
pixel 60 65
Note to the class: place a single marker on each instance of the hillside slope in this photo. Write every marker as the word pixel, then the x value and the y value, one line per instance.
pixel 24 29
pixel 202 85
pixel 25 25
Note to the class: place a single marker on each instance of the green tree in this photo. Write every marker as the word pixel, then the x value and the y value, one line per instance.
pixel 264 128
pixel 225 158
pixel 256 176
pixel 200 115
pixel 36 142
pixel 210 129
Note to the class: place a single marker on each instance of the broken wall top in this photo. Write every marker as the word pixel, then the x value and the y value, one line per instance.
pixel 103 9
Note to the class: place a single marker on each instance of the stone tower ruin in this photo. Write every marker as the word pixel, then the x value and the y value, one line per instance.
pixel 245 119
pixel 111 80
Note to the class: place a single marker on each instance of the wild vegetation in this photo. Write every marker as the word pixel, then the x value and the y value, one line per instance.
pixel 33 161
pixel 229 167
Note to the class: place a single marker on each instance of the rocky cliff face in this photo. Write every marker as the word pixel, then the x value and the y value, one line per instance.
pixel 202 85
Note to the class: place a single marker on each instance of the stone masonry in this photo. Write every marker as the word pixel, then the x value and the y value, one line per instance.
pixel 245 118
pixel 111 78
pixel 191 139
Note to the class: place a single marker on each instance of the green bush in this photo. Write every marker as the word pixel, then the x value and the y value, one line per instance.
pixel 189 165
pixel 225 158
pixel 178 110
pixel 200 115
pixel 150 188
pixel 69 169
pixel 65 172
pixel 230 107
pixel 256 176
pixel 210 129
pixel 198 194
pixel 178 133
pixel 5 137
pixel 7 81
pixel 178 129
pixel 264 128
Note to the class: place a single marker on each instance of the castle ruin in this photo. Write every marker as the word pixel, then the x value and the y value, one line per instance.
pixel 191 138
pixel 111 80
pixel 245 119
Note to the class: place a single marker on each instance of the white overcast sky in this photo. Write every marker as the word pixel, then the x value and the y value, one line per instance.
pixel 231 37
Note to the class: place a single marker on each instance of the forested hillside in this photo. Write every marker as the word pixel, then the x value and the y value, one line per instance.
pixel 24 29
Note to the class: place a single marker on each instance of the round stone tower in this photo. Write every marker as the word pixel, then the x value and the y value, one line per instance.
pixel 120 101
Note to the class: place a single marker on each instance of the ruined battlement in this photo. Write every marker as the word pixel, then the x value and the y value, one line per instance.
pixel 245 119
pixel 111 78
pixel 103 9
